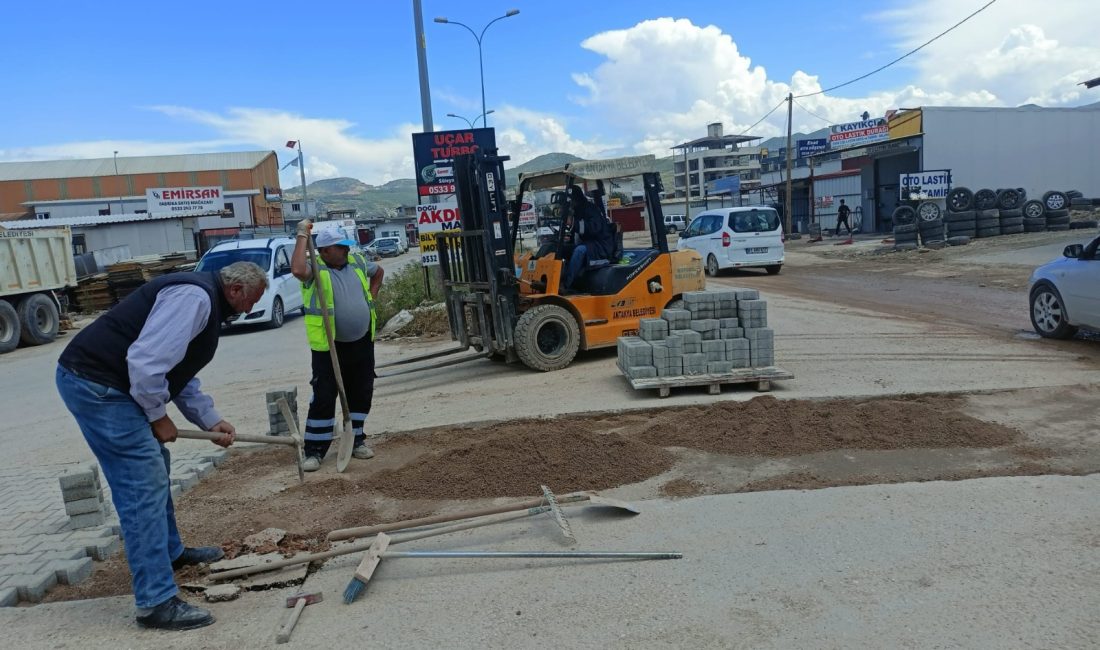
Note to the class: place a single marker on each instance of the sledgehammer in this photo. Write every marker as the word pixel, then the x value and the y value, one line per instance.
pixel 294 440
pixel 298 602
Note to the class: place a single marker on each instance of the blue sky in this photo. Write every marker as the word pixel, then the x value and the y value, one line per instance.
pixel 614 77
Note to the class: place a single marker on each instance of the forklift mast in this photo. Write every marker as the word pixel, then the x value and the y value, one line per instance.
pixel 478 268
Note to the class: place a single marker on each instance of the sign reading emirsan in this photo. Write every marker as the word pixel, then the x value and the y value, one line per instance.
pixel 184 200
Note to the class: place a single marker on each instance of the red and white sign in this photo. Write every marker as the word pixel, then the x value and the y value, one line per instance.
pixel 184 200
pixel 527 215
pixel 431 219
pixel 855 134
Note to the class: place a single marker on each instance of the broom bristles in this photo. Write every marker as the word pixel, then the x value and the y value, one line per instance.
pixel 353 590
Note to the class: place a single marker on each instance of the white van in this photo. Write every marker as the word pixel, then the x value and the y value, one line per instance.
pixel 675 222
pixel 730 238
pixel 272 254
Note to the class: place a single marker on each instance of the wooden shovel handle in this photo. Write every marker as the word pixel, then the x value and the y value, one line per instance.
pixel 240 437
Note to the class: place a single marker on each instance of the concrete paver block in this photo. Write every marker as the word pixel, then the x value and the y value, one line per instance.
pixel 104 549
pixel 87 520
pixel 221 593
pixel 73 479
pixel 83 506
pixel 9 597
pixel 71 572
pixel 33 587
pixel 204 469
pixel 81 492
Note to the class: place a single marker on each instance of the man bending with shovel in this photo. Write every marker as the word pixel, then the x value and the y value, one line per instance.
pixel 343 284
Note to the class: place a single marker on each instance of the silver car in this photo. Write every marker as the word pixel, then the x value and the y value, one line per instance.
pixel 1065 293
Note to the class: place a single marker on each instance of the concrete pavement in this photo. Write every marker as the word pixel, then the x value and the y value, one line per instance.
pixel 1003 562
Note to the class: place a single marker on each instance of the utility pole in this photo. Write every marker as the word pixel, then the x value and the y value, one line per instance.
pixel 422 64
pixel 787 207
pixel 118 181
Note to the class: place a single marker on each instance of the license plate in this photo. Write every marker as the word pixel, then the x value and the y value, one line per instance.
pixel 756 251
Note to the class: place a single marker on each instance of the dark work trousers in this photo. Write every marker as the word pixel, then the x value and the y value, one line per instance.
pixel 357 370
pixel 842 221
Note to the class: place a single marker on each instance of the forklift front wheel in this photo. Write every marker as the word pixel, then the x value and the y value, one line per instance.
pixel 547 338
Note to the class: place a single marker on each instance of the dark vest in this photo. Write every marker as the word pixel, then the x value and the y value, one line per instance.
pixel 98 352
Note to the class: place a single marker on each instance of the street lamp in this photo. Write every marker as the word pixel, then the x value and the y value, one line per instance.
pixel 119 182
pixel 291 144
pixel 475 119
pixel 480 59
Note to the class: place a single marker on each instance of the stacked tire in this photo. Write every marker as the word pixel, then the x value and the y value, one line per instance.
pixel 1035 219
pixel 905 228
pixel 987 223
pixel 959 220
pixel 1010 214
pixel 1056 206
pixel 930 225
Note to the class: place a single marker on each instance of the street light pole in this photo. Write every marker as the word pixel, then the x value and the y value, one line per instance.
pixel 480 58
pixel 302 171
pixel 472 124
pixel 118 180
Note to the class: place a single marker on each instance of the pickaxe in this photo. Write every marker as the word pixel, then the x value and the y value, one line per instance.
pixel 294 440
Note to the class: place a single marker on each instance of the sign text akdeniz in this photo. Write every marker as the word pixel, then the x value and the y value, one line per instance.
pixel 922 186
pixel 184 200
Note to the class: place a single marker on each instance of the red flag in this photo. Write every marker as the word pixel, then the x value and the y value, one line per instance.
pixel 290 144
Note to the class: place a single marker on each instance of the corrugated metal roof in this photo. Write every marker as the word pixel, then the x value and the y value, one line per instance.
pixel 86 167
pixel 91 221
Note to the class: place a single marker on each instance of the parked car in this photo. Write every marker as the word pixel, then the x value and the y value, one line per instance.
pixel 1065 293
pixel 735 238
pixel 675 222
pixel 388 247
pixel 271 254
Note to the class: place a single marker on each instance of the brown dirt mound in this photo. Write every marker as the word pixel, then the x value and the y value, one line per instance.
pixel 515 465
pixel 766 426
pixel 813 481
pixel 681 488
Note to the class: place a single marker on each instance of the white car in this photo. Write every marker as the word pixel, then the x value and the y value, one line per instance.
pixel 373 245
pixel 1065 293
pixel 729 238
pixel 271 254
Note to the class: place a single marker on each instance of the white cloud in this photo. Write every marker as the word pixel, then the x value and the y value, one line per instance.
pixel 106 148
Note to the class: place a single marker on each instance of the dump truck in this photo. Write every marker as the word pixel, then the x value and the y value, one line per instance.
pixel 34 265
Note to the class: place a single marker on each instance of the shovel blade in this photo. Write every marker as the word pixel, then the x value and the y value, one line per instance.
pixel 346 446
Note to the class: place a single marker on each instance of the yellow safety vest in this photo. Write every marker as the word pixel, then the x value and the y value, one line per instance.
pixel 315 323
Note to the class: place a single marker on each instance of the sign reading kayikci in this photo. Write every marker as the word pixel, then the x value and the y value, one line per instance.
pixel 922 186
pixel 431 219
pixel 854 134
pixel 184 200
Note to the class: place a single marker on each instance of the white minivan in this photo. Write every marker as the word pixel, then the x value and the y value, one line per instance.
pixel 729 238
pixel 272 254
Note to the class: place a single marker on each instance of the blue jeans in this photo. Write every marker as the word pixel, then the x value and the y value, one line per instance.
pixel 577 262
pixel 136 466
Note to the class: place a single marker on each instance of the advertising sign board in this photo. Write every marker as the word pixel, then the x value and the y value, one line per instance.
pixel 926 185
pixel 853 134
pixel 184 200
pixel 434 154
pixel 812 146
pixel 433 218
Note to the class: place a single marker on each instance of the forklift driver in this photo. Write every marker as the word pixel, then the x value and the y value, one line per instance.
pixel 592 235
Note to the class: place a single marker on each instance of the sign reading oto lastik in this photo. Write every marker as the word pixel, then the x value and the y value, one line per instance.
pixel 855 134
pixel 431 219
pixel 922 186
pixel 184 200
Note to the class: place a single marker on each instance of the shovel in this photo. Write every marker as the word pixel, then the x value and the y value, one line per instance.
pixel 344 435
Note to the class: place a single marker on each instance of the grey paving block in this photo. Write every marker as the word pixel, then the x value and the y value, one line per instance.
pixel 728 323
pixel 642 372
pixel 660 351
pixel 63 556
pixel 693 348
pixel 719 367
pixel 736 347
pixel 762 358
pixel 695 364
pixel 714 350
pixel 176 491
pixel 77 478
pixel 653 329
pixel 687 336
pixel 676 318
pixel 87 520
pixel 760 337
pixel 699 298
pixel 186 480
pixel 674 368
pixel 81 492
pixel 741 362
pixel 83 506
pixel 33 587
pixel 733 333
pixel 104 549
pixel 704 324
pixel 747 294
pixel 71 572
pixel 9 597
pixel 204 469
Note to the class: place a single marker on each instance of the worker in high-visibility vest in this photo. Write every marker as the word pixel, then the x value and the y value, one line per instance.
pixel 349 285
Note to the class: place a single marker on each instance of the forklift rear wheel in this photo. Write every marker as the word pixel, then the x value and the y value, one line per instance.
pixel 547 338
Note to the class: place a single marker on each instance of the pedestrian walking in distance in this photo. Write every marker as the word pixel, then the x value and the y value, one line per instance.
pixel 116 377
pixel 842 218
pixel 349 284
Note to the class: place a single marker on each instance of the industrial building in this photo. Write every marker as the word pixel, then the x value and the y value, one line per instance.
pixel 110 201
pixel 700 165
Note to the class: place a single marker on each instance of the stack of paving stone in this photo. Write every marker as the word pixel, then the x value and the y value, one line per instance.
pixel 716 333
pixel 279 425
pixel 82 493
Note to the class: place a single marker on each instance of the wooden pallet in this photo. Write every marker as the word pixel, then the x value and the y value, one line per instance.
pixel 762 377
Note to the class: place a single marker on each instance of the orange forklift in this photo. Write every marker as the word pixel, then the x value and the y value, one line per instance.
pixel 514 307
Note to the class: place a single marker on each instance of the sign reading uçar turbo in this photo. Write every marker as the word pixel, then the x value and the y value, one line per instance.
pixel 431 219
pixel 854 134
pixel 434 154
pixel 184 200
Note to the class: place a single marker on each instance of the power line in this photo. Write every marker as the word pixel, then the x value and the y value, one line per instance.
pixel 766 116
pixel 907 54
pixel 829 122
